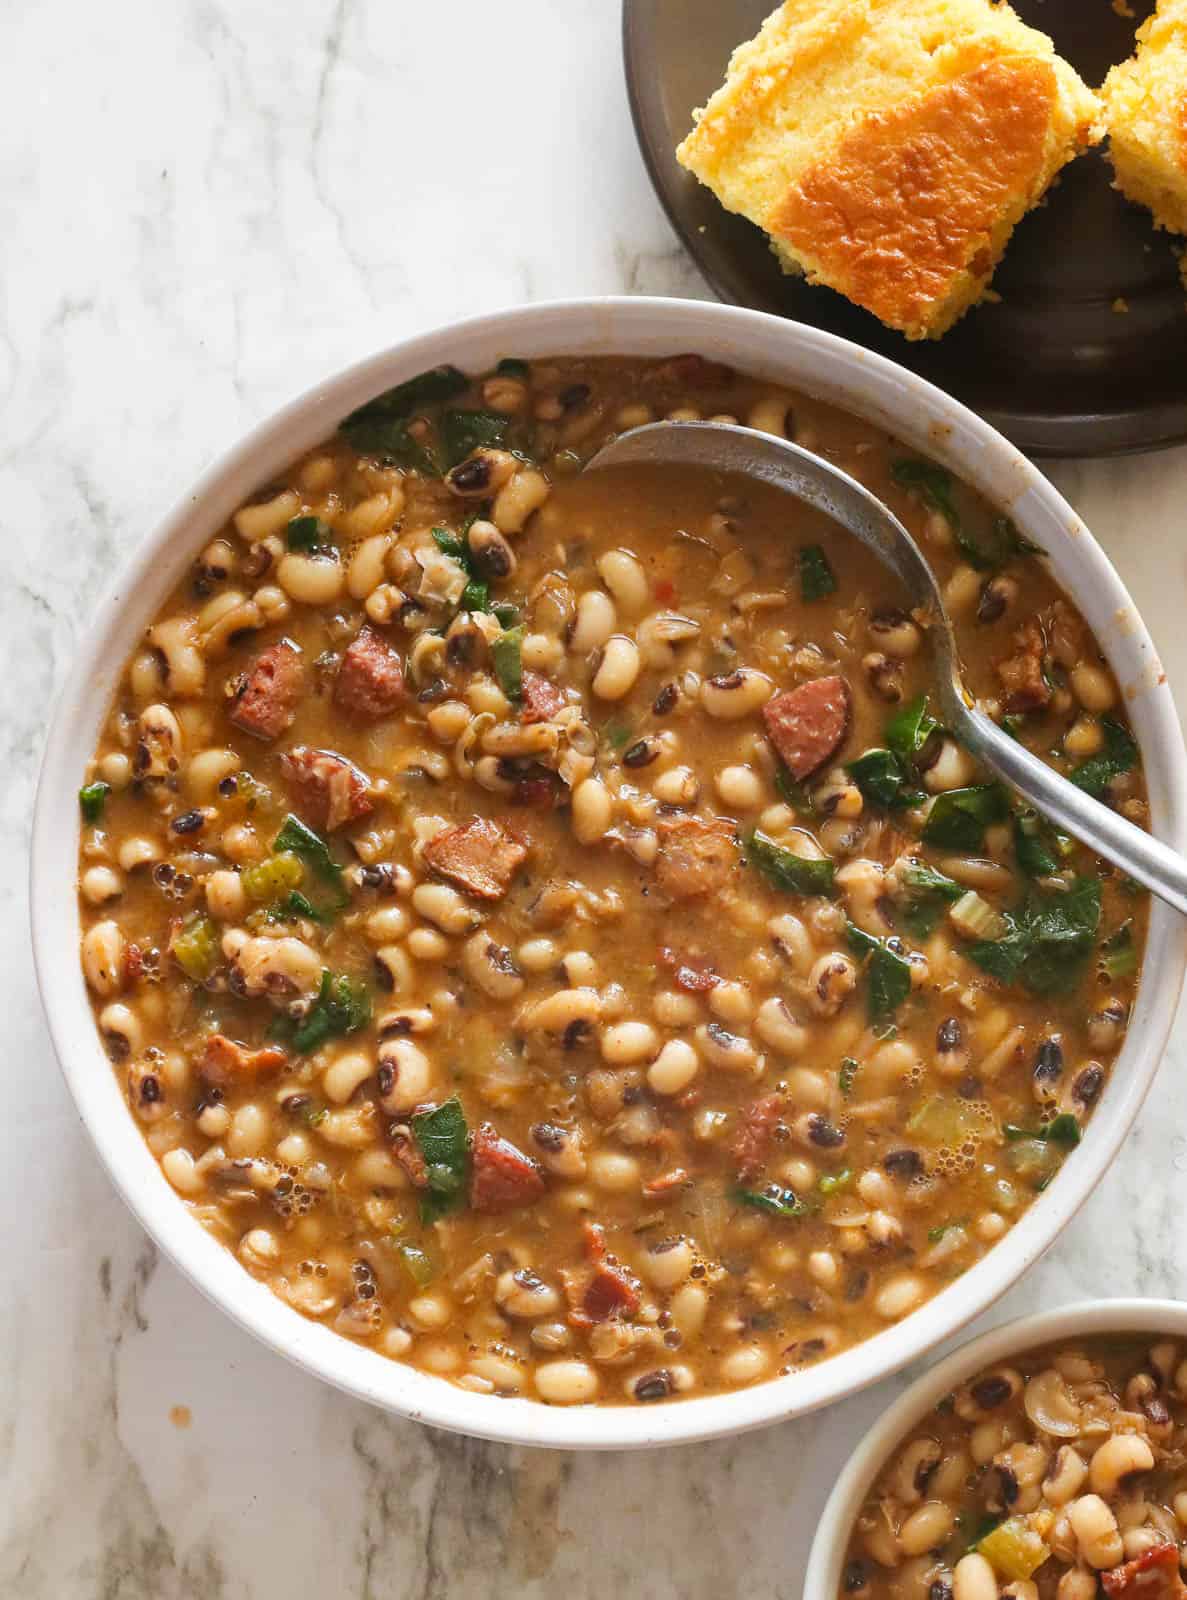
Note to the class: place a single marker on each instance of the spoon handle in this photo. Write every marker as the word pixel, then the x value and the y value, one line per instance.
pixel 1146 859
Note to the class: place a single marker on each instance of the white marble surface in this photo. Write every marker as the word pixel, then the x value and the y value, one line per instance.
pixel 203 207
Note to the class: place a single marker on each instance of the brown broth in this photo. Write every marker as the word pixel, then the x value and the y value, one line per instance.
pixel 648 1258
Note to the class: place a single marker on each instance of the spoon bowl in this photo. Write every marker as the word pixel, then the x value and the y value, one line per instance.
pixel 729 447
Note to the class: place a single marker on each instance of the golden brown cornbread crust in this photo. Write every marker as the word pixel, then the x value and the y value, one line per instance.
pixel 1146 110
pixel 889 147
pixel 909 201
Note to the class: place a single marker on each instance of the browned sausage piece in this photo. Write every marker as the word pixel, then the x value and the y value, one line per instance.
pixel 542 699
pixel 329 791
pixel 753 1142
pixel 1022 674
pixel 1154 1575
pixel 478 855
pixel 226 1061
pixel 370 681
pixel 808 725
pixel 266 699
pixel 696 856
pixel 502 1177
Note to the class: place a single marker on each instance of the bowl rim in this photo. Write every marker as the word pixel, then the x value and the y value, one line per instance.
pixel 1130 1314
pixel 802 358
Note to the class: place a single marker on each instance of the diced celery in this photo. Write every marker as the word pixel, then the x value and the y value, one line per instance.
pixel 976 918
pixel 1014 1549
pixel 195 947
pixel 269 880
pixel 416 1263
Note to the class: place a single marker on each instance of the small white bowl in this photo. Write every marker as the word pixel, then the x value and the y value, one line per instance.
pixel 822 1581
pixel 785 352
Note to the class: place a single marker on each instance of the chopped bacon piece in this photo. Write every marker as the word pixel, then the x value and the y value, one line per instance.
pixel 410 1156
pixel 753 1142
pixel 1021 674
pixel 690 972
pixel 696 856
pixel 328 790
pixel 479 855
pixel 809 725
pixel 1154 1575
pixel 370 681
pixel 133 965
pixel 611 1292
pixel 693 371
pixel 502 1177
pixel 541 793
pixel 542 698
pixel 595 1239
pixel 663 1187
pixel 226 1061
pixel 266 699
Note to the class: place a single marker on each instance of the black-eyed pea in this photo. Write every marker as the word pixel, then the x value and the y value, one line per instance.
pixel 831 981
pixel 974 1579
pixel 240 843
pixel 614 1171
pixel 926 1528
pixel 159 743
pixel 667 1263
pixel 894 633
pixel 405 1075
pixel 1084 738
pixel 443 906
pixel 985 1395
pixel 674 1068
pixel 951 1475
pixel 592 811
pixel 311 579
pixel 213 1120
pixel 720 1048
pixel 266 517
pixel 746 1364
pixel 101 884
pixel 285 966
pixel 259 1250
pixel 206 770
pixel 367 568
pixel 772 414
pixel 1077 1583
pixel 593 623
pixel 1117 1460
pixel 735 694
pixel 732 1002
pixel 962 591
pixel 345 1074
pixel 103 951
pixel 521 1294
pixel 115 769
pixel 623 575
pixel 953 768
pixel 615 1003
pixel 561 1150
pixel 673 1008
pixel 739 787
pixel 1093 687
pixel 617 669
pixel 393 968
pixel 226 899
pixel 900 1295
pixel 824 1268
pixel 492 967
pixel 427 945
pixel 560 1010
pixel 778 1029
pixel 688 1308
pixel 120 1027
pixel 884 676
pixel 178 1166
pixel 566 1383
pixel 178 649
pixel 516 501
pixel 624 1043
pixel 1095 1527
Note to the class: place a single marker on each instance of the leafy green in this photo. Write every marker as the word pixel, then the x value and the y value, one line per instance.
pixel 342 1006
pixel 817 579
pixel 909 731
pixel 883 779
pixel 475 596
pixel 617 734
pixel 295 905
pixel 426 389
pixel 451 545
pixel 1036 845
pixel 444 1143
pixel 1118 755
pixel 888 974
pixel 934 485
pixel 389 440
pixel 931 894
pixel 959 817
pixel 308 533
pixel 92 797
pixel 1049 940
pixel 808 875
pixel 774 1199
pixel 1063 1129
pixel 297 837
pixel 507 658
pixel 505 613
pixel 791 791
pixel 465 431
pixel 1119 952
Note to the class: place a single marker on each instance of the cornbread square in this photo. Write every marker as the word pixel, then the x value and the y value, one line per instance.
pixel 889 147
pixel 1146 115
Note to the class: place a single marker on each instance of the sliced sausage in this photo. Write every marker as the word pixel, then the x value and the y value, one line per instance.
pixel 696 856
pixel 370 681
pixel 1025 684
pixel 266 698
pixel 478 855
pixel 328 790
pixel 502 1178
pixel 753 1143
pixel 226 1062
pixel 542 699
pixel 808 725
pixel 1154 1575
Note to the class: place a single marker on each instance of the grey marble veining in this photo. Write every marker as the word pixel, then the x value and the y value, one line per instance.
pixel 203 207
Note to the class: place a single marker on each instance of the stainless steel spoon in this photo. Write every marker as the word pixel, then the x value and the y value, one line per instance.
pixel 723 447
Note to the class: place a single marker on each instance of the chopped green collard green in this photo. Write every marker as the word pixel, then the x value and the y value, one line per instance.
pixel 817 579
pixel 1049 940
pixel 342 1006
pixel 1119 952
pixel 1118 755
pixel 463 432
pixel 297 838
pixel 888 974
pixel 92 797
pixel 1063 1129
pixel 308 534
pixel 443 1138
pixel 806 875
pixel 958 818
pixel 507 657
pixel 776 1200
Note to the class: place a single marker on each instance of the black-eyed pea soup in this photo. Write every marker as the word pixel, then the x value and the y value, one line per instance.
pixel 1061 1475
pixel 540 923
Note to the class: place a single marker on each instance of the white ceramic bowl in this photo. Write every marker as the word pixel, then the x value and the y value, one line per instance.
pixel 822 1581
pixel 785 352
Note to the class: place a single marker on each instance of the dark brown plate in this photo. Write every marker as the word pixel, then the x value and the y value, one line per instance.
pixel 1054 365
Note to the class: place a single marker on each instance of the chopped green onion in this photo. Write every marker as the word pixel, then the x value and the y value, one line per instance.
pixel 475 596
pixel 92 797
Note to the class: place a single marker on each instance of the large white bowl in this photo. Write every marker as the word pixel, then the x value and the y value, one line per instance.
pixel 1158 1318
pixel 786 352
